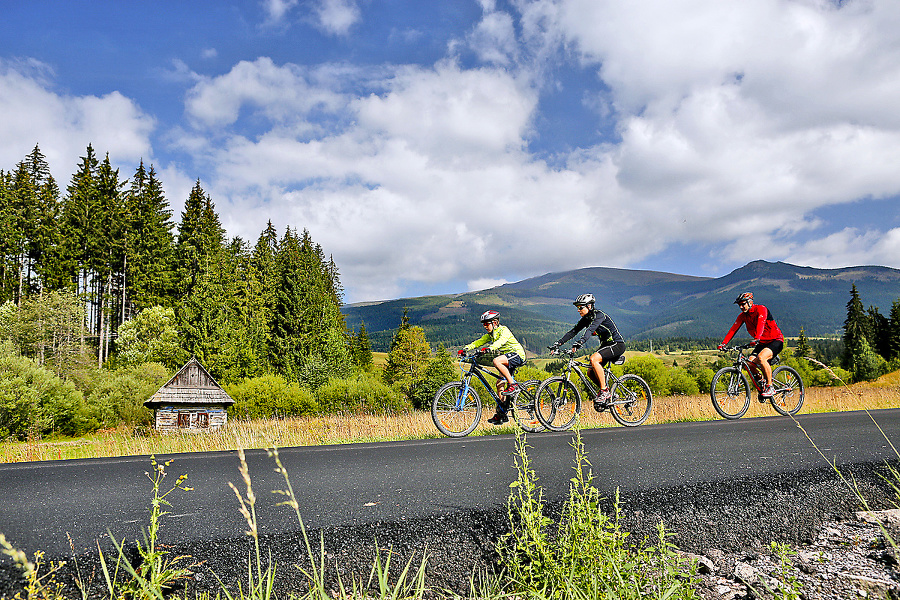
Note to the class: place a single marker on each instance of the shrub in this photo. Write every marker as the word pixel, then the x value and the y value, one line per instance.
pixel 114 397
pixel 268 396
pixel 440 370
pixel 681 382
pixel 35 402
pixel 363 393
pixel 652 370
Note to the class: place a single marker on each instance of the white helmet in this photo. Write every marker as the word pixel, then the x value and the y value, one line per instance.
pixel 584 300
pixel 490 315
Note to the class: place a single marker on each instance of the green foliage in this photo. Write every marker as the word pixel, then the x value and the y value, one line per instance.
pixel 150 337
pixel 588 555
pixel 407 361
pixel 34 402
pixel 117 396
pixel 682 382
pixel 270 396
pixel 48 328
pixel 364 393
pixel 153 576
pixel 441 369
pixel 652 370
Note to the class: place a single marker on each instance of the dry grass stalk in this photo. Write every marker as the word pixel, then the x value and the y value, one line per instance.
pixel 340 429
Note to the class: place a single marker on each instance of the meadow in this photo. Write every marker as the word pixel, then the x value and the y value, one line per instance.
pixel 357 428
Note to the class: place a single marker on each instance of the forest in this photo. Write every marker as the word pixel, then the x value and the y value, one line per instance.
pixel 103 296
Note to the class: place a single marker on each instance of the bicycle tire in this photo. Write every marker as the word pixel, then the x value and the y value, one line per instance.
pixel 730 393
pixel 635 390
pixel 558 403
pixel 523 407
pixel 449 417
pixel 789 390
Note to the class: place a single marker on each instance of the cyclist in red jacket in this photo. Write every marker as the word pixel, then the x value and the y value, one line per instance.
pixel 764 330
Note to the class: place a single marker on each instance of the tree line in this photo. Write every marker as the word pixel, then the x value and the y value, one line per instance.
pixel 105 249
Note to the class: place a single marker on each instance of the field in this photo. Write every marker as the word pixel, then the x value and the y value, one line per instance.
pixel 342 429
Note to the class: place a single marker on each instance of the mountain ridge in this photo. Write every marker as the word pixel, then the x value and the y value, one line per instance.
pixel 644 304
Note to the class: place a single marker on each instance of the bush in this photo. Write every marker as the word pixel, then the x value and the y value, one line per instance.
pixel 440 370
pixel 35 402
pixel 652 370
pixel 363 393
pixel 114 397
pixel 681 382
pixel 270 396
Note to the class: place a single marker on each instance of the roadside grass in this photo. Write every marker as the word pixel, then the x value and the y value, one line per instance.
pixel 584 555
pixel 357 428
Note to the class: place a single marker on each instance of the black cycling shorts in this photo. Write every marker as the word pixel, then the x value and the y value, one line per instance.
pixel 775 346
pixel 611 352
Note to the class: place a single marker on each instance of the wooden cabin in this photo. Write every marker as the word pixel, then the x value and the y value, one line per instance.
pixel 191 401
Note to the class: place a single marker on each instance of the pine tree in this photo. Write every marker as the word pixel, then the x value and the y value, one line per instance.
pixel 855 329
pixel 262 282
pixel 803 350
pixel 894 331
pixel 200 237
pixel 150 250
pixel 81 222
pixel 362 348
pixel 879 332
pixel 8 242
pixel 408 360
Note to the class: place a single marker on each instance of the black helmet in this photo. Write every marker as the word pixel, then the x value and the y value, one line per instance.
pixel 584 300
pixel 490 315
pixel 744 297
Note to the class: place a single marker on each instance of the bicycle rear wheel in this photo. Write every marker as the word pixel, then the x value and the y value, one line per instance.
pixel 730 393
pixel 789 390
pixel 523 407
pixel 558 403
pixel 453 413
pixel 632 400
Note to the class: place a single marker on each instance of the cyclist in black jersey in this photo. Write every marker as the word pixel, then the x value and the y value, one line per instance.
pixel 595 322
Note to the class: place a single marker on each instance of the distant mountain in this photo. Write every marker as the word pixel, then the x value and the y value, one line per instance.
pixel 644 304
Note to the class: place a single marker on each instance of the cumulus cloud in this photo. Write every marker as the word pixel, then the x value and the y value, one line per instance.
pixel 33 112
pixel 336 17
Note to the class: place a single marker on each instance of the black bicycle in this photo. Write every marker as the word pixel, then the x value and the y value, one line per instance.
pixel 730 390
pixel 559 402
pixel 456 408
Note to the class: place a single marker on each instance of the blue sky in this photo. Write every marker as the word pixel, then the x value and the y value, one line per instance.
pixel 436 147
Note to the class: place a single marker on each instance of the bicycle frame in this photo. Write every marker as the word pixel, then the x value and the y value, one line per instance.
pixel 743 363
pixel 478 371
pixel 579 365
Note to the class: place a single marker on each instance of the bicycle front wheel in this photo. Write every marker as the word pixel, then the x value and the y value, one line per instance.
pixel 558 403
pixel 523 407
pixel 730 393
pixel 789 390
pixel 456 414
pixel 631 400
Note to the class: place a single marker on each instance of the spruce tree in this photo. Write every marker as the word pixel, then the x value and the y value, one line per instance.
pixel 879 332
pixel 803 350
pixel 894 332
pixel 150 250
pixel 8 242
pixel 856 332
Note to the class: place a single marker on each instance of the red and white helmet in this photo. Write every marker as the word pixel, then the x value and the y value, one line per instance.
pixel 489 315
pixel 744 297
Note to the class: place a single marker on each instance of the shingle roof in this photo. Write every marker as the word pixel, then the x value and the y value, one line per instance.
pixel 191 385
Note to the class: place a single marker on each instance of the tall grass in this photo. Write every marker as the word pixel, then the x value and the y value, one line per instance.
pixel 351 428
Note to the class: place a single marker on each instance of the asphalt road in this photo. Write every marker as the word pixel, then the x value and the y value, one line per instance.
pixel 44 504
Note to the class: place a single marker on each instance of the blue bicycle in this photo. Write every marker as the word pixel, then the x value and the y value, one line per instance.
pixel 456 408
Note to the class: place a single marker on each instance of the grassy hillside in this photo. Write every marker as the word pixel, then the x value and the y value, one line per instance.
pixel 644 304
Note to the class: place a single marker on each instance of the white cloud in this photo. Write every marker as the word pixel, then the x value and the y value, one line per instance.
pixel 276 10
pixel 336 17
pixel 32 112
